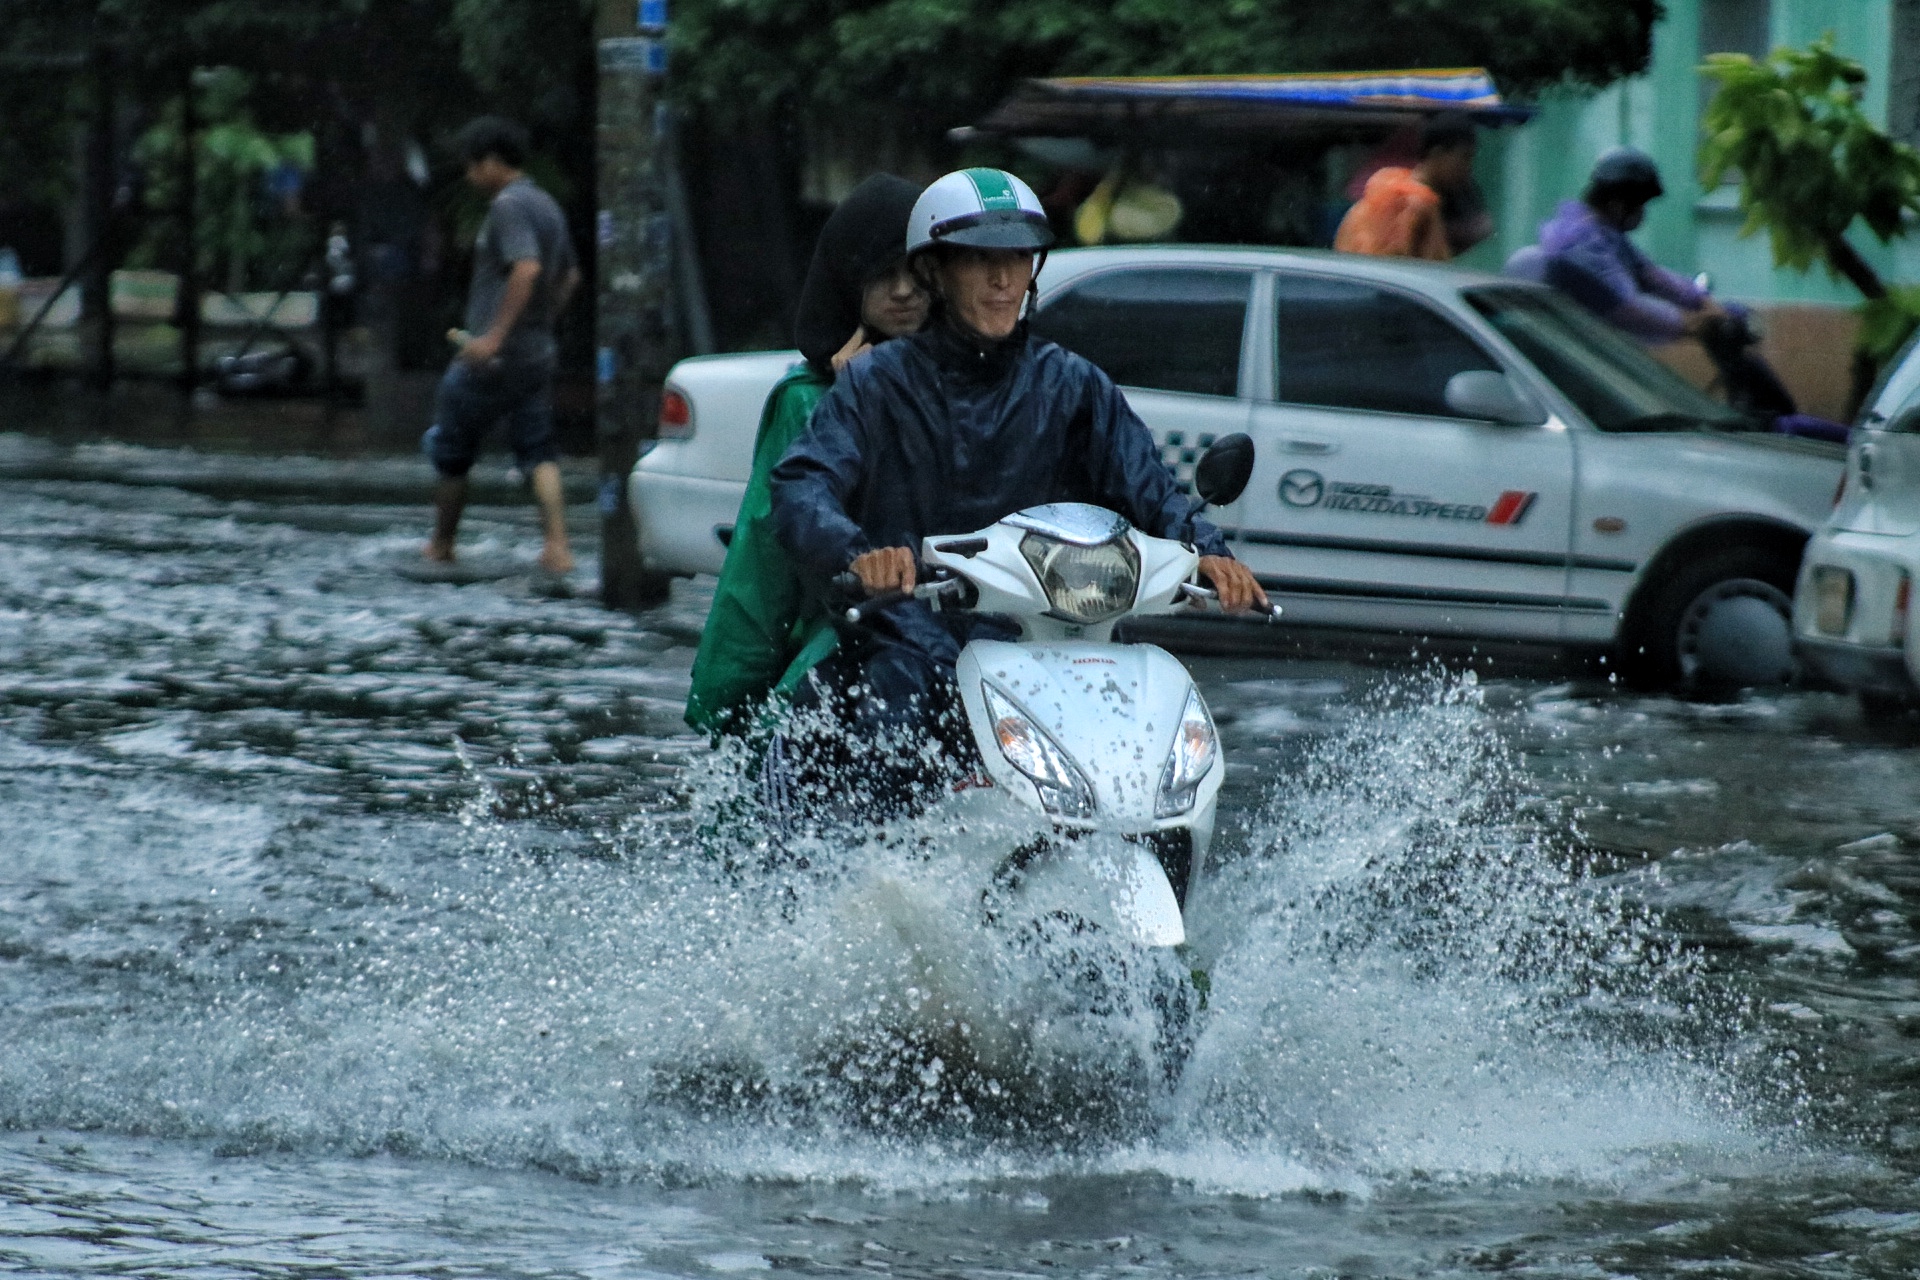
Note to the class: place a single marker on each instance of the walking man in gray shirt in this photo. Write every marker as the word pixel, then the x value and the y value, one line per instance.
pixel 523 273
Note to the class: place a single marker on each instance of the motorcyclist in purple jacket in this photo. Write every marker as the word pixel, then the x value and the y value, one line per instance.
pixel 1584 251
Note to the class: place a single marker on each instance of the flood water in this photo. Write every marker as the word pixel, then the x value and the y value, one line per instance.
pixel 354 924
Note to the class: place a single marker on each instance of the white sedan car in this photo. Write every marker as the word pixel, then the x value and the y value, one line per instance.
pixel 1852 613
pixel 1438 453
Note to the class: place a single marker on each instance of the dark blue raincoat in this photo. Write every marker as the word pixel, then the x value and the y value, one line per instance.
pixel 937 434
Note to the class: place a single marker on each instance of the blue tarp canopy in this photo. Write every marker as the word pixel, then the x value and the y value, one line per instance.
pixel 1316 106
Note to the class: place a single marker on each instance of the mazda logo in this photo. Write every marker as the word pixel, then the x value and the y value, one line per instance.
pixel 1302 488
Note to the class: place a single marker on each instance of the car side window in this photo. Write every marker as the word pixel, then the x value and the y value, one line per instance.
pixel 1345 344
pixel 1165 328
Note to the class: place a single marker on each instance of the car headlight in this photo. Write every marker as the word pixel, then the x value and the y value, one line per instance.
pixel 1194 749
pixel 1832 600
pixel 1064 791
pixel 1084 584
pixel 1902 607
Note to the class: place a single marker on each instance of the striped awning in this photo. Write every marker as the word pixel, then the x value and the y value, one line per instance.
pixel 1321 102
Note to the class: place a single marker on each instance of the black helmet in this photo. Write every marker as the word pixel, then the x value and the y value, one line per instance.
pixel 1625 173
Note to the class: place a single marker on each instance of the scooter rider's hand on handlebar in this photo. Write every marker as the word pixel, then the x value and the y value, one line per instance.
pixel 888 569
pixel 1239 590
pixel 1709 314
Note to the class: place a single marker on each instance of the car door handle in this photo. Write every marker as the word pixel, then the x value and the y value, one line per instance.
pixel 1307 446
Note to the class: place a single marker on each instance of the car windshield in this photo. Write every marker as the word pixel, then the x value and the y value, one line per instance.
pixel 1606 375
pixel 1896 389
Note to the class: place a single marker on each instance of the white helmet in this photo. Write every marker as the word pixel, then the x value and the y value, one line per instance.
pixel 984 208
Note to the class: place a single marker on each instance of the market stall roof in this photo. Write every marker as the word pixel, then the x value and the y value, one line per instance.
pixel 1325 105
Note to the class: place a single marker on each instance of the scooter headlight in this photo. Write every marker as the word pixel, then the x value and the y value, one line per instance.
pixel 1194 748
pixel 1084 584
pixel 1064 791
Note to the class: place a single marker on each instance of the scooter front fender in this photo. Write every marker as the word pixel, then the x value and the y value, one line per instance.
pixel 1112 708
pixel 1117 884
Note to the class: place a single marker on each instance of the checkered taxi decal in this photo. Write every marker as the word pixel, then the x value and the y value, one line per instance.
pixel 1180 456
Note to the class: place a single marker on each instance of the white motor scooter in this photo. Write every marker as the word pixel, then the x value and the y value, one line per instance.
pixel 1096 735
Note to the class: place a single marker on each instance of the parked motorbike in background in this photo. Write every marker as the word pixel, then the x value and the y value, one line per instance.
pixel 1749 383
pixel 1730 340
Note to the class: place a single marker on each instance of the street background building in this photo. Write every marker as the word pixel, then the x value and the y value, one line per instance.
pixel 1810 318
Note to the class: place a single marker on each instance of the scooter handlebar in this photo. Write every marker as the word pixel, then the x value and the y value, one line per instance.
pixel 849 584
pixel 874 604
pixel 1207 595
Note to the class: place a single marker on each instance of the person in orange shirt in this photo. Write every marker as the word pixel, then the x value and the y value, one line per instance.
pixel 1399 213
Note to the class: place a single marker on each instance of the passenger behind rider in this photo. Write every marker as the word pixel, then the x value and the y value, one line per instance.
pixel 1401 212
pixel 951 429
pixel 761 635
pixel 1584 251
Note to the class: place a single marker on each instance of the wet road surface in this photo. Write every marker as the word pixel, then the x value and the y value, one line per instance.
pixel 354 922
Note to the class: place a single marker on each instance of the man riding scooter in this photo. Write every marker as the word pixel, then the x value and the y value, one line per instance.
pixel 1585 252
pixel 953 428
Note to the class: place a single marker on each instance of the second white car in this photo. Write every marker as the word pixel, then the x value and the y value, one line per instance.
pixel 1853 611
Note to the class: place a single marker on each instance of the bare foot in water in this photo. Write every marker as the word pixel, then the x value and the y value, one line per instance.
pixel 438 551
pixel 556 558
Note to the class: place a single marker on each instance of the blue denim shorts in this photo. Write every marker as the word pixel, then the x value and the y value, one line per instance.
pixel 471 400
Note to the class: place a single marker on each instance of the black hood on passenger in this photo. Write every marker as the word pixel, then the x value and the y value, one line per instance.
pixel 865 236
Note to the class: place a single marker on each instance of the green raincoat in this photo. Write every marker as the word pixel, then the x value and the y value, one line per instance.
pixel 763 635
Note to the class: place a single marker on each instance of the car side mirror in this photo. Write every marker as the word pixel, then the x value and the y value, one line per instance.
pixel 1221 475
pixel 1482 393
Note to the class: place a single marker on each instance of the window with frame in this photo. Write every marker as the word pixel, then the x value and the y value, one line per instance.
pixel 1163 328
pixel 1732 26
pixel 1735 26
pixel 1346 344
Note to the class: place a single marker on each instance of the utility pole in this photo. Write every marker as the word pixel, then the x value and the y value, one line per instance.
pixel 99 234
pixel 635 329
pixel 187 300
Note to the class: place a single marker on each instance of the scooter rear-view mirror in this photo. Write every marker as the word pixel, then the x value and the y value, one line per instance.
pixel 1221 475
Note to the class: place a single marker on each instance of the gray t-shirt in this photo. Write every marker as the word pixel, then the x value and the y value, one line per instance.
pixel 523 224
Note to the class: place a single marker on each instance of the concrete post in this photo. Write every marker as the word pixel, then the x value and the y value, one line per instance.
pixel 98 238
pixel 187 299
pixel 635 329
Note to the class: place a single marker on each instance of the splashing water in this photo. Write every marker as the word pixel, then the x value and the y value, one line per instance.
pixel 251 898
pixel 1413 980
pixel 1405 979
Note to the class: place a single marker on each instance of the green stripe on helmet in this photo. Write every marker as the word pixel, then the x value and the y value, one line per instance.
pixel 993 188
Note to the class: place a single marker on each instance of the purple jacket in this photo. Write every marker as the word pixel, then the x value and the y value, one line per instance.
pixel 1607 273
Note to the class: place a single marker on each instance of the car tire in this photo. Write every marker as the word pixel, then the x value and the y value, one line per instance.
pixel 1877 707
pixel 1718 623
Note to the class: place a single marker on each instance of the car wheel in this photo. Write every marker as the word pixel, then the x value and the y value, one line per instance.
pixel 1877 707
pixel 1725 621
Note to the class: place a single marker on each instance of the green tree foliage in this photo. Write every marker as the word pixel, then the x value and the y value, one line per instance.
pixel 530 53
pixel 241 232
pixel 313 71
pixel 945 60
pixel 443 60
pixel 1811 164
